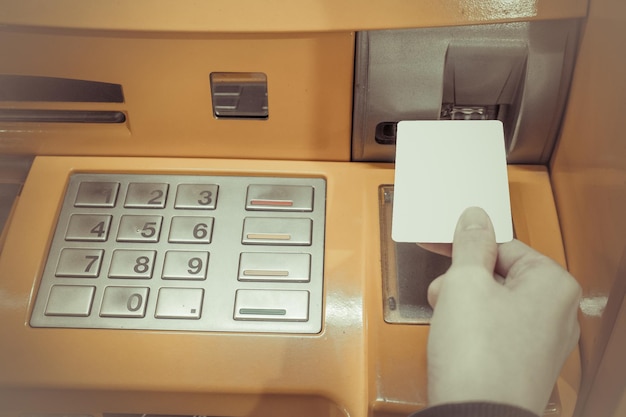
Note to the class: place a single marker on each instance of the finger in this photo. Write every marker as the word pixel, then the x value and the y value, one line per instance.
pixel 516 256
pixel 433 291
pixel 474 241
pixel 509 253
pixel 522 265
pixel 444 249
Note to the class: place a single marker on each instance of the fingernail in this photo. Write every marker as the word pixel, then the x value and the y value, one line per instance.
pixel 474 218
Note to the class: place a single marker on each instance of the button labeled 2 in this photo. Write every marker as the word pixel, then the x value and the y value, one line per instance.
pixel 146 195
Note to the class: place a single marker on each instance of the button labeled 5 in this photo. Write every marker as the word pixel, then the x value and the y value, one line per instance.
pixel 139 229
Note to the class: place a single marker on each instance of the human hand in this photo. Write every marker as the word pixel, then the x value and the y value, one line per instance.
pixel 504 321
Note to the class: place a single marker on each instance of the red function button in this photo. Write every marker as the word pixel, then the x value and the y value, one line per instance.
pixel 264 197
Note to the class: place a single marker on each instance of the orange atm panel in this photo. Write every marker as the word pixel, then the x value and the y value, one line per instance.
pixel 194 205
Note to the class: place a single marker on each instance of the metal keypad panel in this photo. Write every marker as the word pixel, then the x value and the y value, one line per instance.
pixel 178 252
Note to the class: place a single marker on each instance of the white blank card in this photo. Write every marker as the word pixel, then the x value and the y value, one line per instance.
pixel 443 167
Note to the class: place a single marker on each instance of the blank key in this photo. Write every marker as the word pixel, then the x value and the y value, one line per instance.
pixel 70 300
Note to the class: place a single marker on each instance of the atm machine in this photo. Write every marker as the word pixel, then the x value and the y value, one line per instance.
pixel 196 198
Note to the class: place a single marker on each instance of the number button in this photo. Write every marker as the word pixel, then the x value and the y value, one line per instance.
pixel 196 196
pixel 132 264
pixel 191 229
pixel 139 229
pixel 124 302
pixel 185 265
pixel 146 195
pixel 96 194
pixel 79 263
pixel 88 227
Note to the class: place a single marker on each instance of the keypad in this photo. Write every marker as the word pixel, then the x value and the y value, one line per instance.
pixel 186 252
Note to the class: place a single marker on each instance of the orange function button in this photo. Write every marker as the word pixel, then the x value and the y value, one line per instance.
pixel 269 236
pixel 265 197
pixel 264 273
pixel 274 266
pixel 277 231
pixel 280 203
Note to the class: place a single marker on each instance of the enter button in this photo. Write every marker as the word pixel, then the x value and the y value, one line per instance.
pixel 272 305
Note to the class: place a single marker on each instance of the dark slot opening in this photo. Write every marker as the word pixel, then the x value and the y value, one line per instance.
pixel 386 133
pixel 61 116
pixel 51 89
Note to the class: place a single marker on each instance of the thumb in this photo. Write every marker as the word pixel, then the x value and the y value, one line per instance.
pixel 474 241
pixel 433 291
pixel 474 246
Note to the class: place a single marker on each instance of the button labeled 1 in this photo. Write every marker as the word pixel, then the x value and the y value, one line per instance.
pixel 96 194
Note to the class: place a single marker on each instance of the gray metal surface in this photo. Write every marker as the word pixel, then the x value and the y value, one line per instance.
pixel 407 271
pixel 522 68
pixel 184 253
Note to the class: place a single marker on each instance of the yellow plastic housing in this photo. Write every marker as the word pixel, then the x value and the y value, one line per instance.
pixel 357 365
